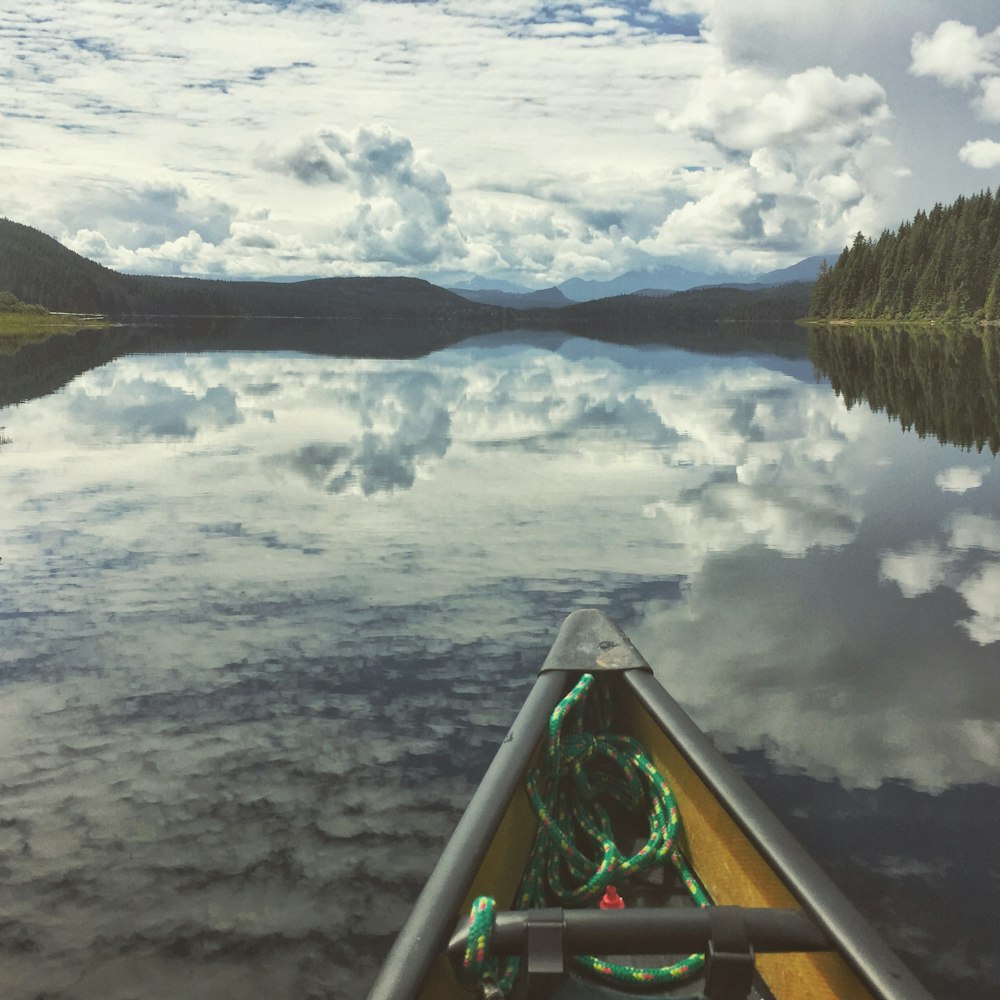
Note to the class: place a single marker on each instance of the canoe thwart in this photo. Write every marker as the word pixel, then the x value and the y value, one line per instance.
pixel 652 931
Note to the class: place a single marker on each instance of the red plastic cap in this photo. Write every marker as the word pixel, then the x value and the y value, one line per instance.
pixel 611 900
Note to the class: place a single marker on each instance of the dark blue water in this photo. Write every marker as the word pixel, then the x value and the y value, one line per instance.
pixel 266 616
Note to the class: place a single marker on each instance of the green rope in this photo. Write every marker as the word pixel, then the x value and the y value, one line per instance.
pixel 574 857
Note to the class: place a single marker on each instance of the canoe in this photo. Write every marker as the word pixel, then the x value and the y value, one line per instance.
pixel 604 792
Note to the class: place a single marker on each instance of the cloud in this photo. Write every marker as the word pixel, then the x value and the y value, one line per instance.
pixel 983 154
pixel 315 158
pixel 981 592
pixel 965 563
pixel 960 479
pixel 955 54
pixel 403 212
pixel 140 409
pixel 988 103
pixel 917 571
pixel 404 425
pixel 448 137
pixel 858 705
pixel 135 216
pixel 975 531
pixel 741 110
pixel 801 159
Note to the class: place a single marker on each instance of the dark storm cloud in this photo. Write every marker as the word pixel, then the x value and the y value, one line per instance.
pixel 376 160
pixel 311 159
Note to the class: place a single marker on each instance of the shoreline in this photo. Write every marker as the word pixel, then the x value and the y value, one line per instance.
pixel 964 323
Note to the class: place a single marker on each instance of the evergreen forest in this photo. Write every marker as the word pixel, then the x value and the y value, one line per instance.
pixel 943 265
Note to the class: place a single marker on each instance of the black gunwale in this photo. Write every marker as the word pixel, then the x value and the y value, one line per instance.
pixel 425 934
pixel 882 971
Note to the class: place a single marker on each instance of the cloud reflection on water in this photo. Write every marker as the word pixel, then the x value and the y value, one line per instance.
pixel 485 467
pixel 967 560
pixel 267 615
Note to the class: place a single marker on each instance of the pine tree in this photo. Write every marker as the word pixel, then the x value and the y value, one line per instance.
pixel 943 264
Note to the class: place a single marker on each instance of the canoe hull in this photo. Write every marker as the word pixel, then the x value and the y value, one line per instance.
pixel 743 856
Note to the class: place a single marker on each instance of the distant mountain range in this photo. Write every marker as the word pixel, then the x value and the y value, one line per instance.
pixel 648 281
pixel 676 279
pixel 543 298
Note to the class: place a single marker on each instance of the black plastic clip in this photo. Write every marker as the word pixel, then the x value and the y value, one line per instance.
pixel 730 959
pixel 546 960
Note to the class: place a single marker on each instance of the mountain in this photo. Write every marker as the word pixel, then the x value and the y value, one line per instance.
pixel 37 268
pixel 667 277
pixel 647 318
pixel 545 298
pixel 805 270
pixel 480 284
pixel 670 278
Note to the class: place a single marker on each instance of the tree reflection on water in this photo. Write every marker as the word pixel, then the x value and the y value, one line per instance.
pixel 943 383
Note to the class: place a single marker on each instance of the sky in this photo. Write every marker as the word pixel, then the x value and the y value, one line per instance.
pixel 512 139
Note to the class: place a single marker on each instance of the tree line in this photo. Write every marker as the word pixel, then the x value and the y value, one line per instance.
pixel 944 264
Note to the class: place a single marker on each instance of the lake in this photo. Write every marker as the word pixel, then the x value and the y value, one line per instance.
pixel 267 613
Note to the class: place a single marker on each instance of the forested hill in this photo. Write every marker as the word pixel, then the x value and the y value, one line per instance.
pixel 632 317
pixel 945 264
pixel 37 268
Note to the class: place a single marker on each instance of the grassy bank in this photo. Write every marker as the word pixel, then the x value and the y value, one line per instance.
pixel 18 324
pixel 23 322
pixel 18 329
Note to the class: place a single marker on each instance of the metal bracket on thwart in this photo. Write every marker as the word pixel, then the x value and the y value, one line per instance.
pixel 729 967
pixel 546 951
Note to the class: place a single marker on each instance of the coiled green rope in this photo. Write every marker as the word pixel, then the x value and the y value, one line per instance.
pixel 574 857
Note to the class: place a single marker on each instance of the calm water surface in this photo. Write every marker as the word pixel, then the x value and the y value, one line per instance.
pixel 266 616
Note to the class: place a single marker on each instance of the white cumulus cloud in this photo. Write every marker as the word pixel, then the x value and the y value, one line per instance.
pixel 514 139
pixel 958 55
pixel 984 154
pixel 798 156
pixel 988 103
pixel 955 54
pixel 974 531
pixel 403 211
